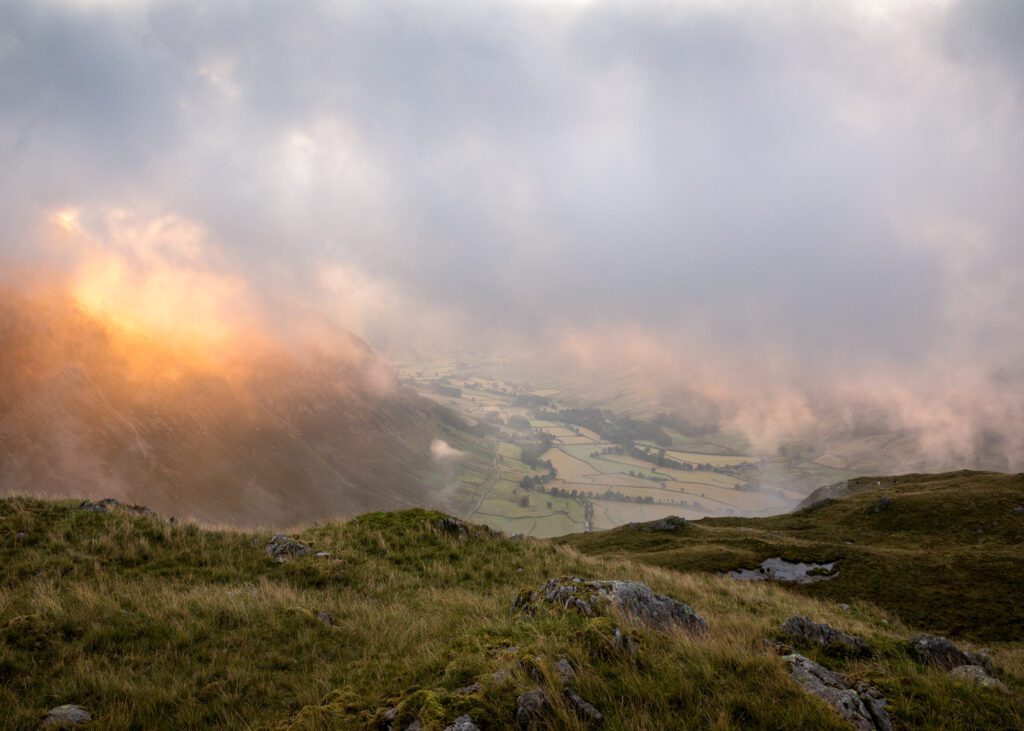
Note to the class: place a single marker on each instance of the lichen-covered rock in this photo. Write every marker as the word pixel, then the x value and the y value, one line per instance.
pixel 976 675
pixel 66 716
pixel 462 723
pixel 941 653
pixel 833 689
pixel 282 547
pixel 830 639
pixel 530 709
pixel 630 598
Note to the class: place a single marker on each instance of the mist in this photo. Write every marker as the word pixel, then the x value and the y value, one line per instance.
pixel 787 219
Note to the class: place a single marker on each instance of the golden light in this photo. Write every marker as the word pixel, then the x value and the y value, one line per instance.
pixel 67 220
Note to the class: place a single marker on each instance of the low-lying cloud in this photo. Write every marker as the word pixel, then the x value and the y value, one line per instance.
pixel 792 217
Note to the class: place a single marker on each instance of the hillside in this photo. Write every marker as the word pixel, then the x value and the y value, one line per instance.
pixel 267 435
pixel 942 552
pixel 403 620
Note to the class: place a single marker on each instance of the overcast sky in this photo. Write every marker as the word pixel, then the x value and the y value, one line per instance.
pixel 835 187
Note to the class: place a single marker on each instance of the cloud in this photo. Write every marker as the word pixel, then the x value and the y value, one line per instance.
pixel 807 199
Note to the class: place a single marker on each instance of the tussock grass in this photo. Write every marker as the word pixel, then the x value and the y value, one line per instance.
pixel 154 625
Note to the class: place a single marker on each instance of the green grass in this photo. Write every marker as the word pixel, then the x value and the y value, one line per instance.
pixel 945 556
pixel 148 624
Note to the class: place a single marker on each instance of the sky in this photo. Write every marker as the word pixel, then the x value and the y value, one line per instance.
pixel 790 208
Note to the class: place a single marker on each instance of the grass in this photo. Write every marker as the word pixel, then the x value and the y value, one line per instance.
pixel 150 624
pixel 945 555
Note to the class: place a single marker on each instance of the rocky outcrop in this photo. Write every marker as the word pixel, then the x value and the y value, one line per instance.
pixel 452 527
pixel 108 504
pixel 66 716
pixel 802 629
pixel 667 524
pixel 976 675
pixel 863 707
pixel 282 548
pixel 632 599
pixel 941 653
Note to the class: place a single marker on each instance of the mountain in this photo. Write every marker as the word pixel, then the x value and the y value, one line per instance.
pixel 260 434
pixel 413 619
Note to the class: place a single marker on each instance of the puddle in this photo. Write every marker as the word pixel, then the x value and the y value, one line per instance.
pixel 781 570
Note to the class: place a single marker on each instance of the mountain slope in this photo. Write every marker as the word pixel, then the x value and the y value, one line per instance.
pixel 265 435
pixel 941 551
pixel 148 624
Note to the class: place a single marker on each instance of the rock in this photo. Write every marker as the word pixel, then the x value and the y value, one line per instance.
pixel 834 690
pixel 1019 510
pixel 67 715
pixel 516 537
pixel 631 598
pixel 584 709
pixel 976 675
pixel 414 726
pixel 530 708
pixel 779 648
pixel 942 653
pixel 501 677
pixel 830 639
pixel 565 674
pixel 452 526
pixel 471 689
pixel 462 723
pixel 875 702
pixel 624 642
pixel 669 523
pixel 281 548
pixel 108 503
pixel 322 554
pixel 843 607
pixel 20 536
pixel 884 503
pixel 326 618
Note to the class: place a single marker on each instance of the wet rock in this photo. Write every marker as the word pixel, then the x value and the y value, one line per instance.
pixel 326 618
pixel 941 653
pixel 779 569
pixel 667 524
pixel 66 715
pixel 530 708
pixel 565 674
pixel 833 689
pixel 584 709
pixel 281 548
pixel 462 723
pixel 830 639
pixel 631 598
pixel 452 526
pixel 976 675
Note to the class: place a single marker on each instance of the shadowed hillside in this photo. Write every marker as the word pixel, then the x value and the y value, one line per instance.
pixel 261 435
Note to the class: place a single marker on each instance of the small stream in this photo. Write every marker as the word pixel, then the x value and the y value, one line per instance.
pixel 779 569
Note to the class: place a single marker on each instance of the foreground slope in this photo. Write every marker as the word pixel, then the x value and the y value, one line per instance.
pixel 149 624
pixel 943 552
pixel 270 434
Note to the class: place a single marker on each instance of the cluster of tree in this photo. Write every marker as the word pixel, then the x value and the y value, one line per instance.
pixel 687 425
pixel 654 477
pixel 439 386
pixel 531 401
pixel 532 451
pixel 610 427
pixel 520 423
